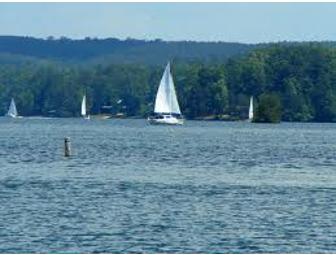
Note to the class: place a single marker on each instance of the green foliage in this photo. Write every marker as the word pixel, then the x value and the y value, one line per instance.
pixel 269 109
pixel 299 76
pixel 302 74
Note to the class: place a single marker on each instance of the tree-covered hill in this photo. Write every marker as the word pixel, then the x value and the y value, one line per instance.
pixel 117 51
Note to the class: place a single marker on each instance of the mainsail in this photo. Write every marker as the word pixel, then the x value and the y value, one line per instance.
pixel 83 111
pixel 12 109
pixel 166 100
pixel 251 109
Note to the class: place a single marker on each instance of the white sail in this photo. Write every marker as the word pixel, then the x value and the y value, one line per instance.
pixel 251 109
pixel 83 111
pixel 166 100
pixel 12 112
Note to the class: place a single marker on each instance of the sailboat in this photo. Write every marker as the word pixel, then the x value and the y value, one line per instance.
pixel 166 109
pixel 250 116
pixel 12 112
pixel 83 110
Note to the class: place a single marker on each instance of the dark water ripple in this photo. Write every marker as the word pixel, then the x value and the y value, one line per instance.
pixel 207 187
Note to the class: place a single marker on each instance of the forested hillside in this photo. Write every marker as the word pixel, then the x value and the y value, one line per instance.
pixel 301 76
pixel 116 51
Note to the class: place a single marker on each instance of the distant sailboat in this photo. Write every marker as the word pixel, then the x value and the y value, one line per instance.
pixel 250 117
pixel 83 110
pixel 167 109
pixel 12 112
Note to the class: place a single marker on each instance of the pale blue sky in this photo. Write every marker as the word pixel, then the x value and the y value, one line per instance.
pixel 235 22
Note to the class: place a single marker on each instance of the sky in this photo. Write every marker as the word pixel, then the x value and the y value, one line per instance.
pixel 230 22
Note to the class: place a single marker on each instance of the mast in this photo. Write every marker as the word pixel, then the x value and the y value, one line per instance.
pixel 168 82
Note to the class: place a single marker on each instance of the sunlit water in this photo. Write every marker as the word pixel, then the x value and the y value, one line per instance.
pixel 206 187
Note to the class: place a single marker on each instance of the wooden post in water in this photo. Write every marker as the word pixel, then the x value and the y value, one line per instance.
pixel 67 148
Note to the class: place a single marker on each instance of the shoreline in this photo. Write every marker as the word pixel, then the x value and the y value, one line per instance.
pixel 206 118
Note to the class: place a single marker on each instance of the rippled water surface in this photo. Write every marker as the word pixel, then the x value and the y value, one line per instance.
pixel 206 187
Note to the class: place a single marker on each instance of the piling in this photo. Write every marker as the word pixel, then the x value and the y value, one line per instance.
pixel 67 147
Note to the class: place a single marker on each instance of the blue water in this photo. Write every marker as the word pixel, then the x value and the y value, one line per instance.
pixel 206 187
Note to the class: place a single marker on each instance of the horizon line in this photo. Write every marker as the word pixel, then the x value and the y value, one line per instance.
pixel 51 38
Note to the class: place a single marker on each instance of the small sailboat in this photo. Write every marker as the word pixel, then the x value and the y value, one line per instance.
pixel 250 116
pixel 12 112
pixel 166 109
pixel 83 110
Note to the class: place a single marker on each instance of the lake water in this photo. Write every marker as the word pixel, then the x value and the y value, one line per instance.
pixel 205 187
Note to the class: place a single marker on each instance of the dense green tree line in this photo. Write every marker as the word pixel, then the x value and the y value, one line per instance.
pixel 299 78
pixel 302 76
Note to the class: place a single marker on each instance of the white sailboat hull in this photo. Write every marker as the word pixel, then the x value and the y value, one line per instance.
pixel 165 120
pixel 11 115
